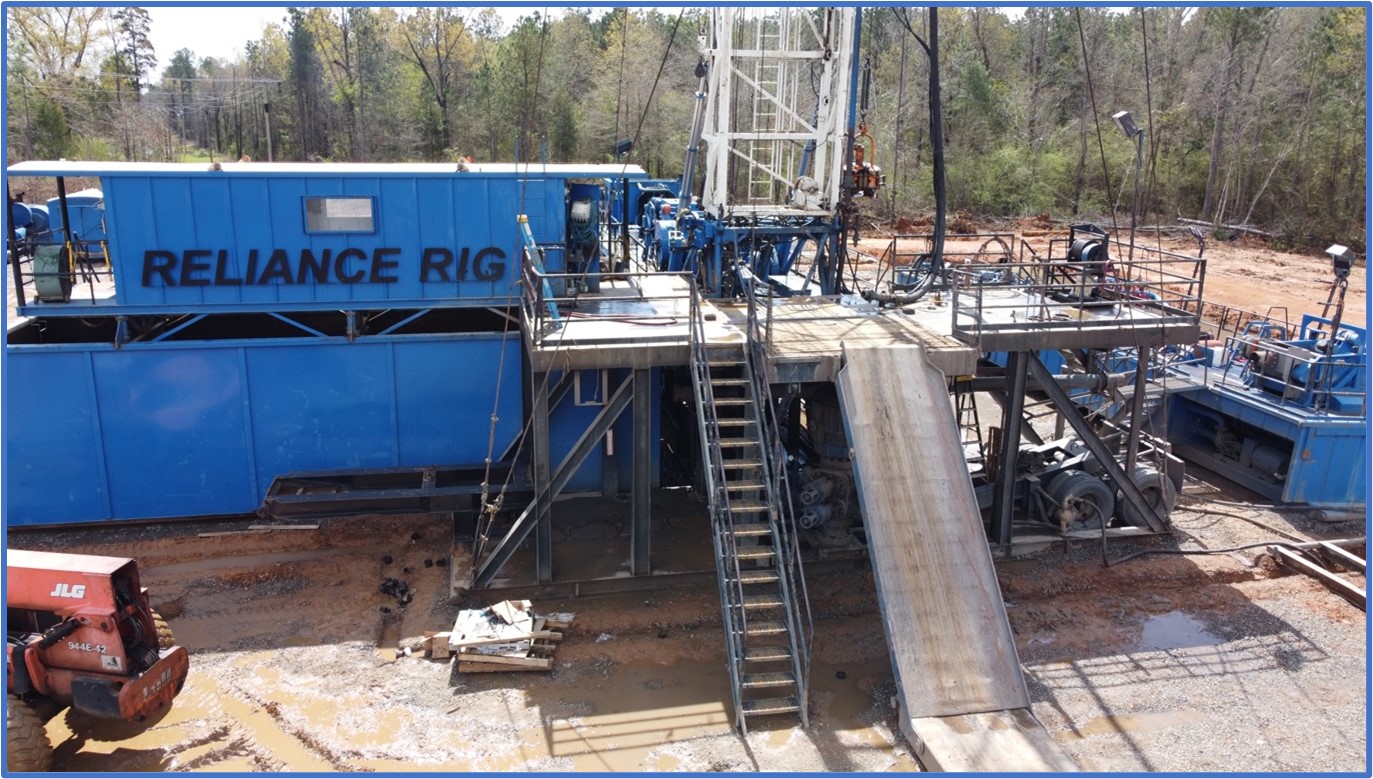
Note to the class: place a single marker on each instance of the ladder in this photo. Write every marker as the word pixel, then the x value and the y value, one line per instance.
pixel 969 423
pixel 767 90
pixel 767 621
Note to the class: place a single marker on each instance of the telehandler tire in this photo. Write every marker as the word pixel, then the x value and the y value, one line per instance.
pixel 165 638
pixel 26 741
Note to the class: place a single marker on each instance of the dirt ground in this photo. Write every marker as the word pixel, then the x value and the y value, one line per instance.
pixel 1162 663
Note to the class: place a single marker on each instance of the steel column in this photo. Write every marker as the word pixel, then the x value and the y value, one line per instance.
pixel 543 492
pixel 1137 404
pixel 13 243
pixel 543 499
pixel 640 528
pixel 1012 421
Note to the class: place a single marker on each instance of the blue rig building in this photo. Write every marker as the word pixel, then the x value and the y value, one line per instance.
pixel 223 326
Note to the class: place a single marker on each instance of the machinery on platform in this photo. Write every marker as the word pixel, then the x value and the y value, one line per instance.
pixel 1283 411
pixel 81 634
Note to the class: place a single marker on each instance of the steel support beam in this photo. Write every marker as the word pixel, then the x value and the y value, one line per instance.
pixel 1026 432
pixel 12 239
pixel 1095 445
pixel 641 500
pixel 1012 420
pixel 543 497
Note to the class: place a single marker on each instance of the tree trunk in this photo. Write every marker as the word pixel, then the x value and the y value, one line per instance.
pixel 1208 206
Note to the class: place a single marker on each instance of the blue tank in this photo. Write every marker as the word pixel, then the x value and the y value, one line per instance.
pixel 87 210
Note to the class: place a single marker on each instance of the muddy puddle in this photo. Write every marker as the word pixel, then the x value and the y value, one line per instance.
pixel 643 716
pixel 1175 630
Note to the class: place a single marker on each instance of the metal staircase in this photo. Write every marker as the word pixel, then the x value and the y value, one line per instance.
pixel 767 620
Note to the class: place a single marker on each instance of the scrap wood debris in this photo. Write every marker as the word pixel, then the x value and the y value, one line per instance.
pixel 507 636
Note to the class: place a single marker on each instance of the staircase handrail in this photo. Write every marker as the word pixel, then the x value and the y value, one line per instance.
pixel 786 540
pixel 722 519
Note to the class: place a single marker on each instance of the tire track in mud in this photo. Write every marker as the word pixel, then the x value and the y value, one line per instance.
pixel 257 732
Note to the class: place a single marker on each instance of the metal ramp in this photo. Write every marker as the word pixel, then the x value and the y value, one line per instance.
pixel 767 622
pixel 964 704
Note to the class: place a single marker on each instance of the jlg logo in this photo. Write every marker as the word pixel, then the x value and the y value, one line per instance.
pixel 68 591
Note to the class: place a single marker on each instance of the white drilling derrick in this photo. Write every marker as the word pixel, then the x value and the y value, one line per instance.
pixel 776 108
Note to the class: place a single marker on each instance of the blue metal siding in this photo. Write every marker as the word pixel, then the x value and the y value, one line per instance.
pixel 165 430
pixel 444 410
pixel 173 432
pixel 239 214
pixel 253 224
pixel 1329 465
pixel 53 467
pixel 319 408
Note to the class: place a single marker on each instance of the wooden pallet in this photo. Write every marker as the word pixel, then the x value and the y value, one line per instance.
pixel 507 636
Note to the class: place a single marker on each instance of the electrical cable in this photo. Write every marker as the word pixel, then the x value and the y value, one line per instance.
pixel 1096 117
pixel 1250 520
pixel 1241 504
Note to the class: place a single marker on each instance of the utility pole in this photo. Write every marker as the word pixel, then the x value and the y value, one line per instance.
pixel 267 117
pixel 28 129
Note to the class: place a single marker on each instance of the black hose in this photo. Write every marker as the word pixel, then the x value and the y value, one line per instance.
pixel 58 632
pixel 897 298
pixel 1250 520
pixel 1242 504
pixel 941 201
pixel 1226 550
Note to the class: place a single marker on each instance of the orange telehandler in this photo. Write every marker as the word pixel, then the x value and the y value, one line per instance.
pixel 80 633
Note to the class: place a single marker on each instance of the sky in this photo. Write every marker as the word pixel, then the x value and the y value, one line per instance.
pixel 222 31
pixel 207 31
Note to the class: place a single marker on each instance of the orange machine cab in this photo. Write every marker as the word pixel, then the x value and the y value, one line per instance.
pixel 81 633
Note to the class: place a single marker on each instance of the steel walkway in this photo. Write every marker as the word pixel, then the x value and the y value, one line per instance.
pixel 964 704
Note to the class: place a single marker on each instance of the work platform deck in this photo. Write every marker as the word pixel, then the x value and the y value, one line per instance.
pixel 642 322
pixel 808 335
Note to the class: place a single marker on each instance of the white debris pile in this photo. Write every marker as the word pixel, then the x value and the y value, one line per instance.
pixel 507 636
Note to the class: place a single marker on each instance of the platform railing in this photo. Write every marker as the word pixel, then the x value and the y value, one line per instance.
pixel 1297 375
pixel 1057 295
pixel 549 301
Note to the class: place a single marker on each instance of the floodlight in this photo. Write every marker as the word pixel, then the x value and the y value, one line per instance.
pixel 1126 122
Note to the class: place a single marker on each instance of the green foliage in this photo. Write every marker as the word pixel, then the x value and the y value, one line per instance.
pixel 49 130
pixel 88 147
pixel 1258 112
